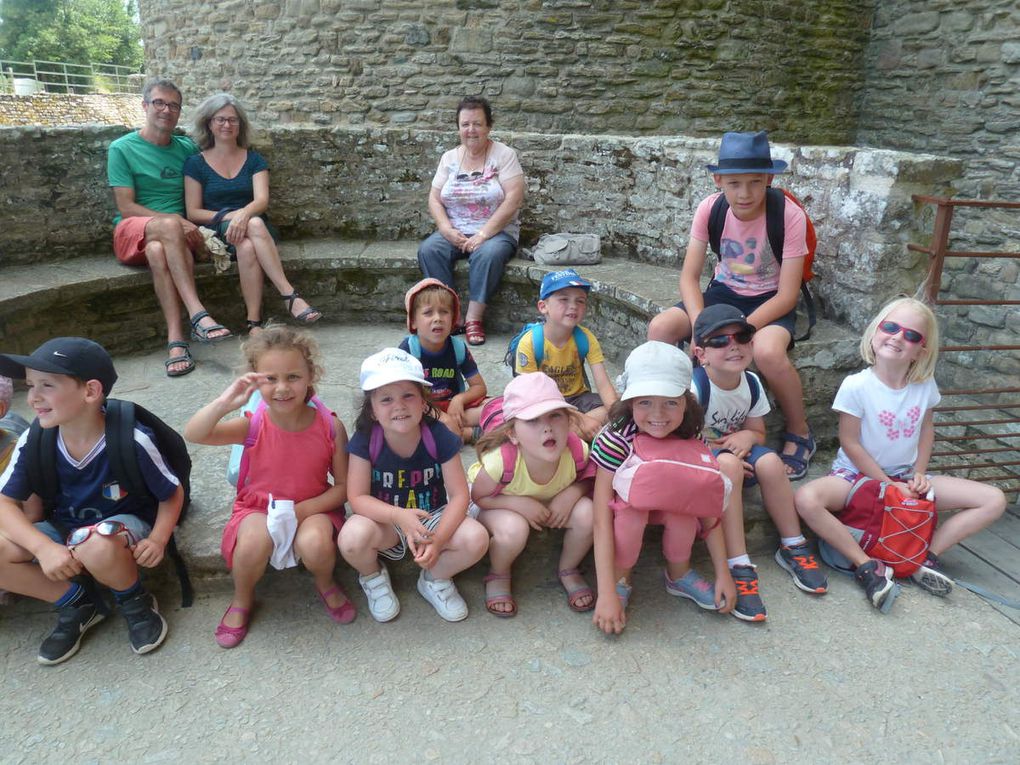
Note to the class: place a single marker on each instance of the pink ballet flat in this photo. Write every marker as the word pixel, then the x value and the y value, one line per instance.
pixel 344 614
pixel 231 637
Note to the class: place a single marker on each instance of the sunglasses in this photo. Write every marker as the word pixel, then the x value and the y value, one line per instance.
pixel 472 177
pixel 910 335
pixel 743 337
pixel 103 529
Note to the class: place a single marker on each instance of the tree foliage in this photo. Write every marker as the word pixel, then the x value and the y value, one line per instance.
pixel 76 31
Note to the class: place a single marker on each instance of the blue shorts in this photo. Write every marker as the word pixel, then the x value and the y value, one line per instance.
pixel 717 292
pixel 136 527
pixel 757 452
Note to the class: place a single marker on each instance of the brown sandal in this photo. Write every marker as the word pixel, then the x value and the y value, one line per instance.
pixel 475 332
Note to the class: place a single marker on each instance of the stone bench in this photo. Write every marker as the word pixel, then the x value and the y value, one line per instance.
pixel 363 282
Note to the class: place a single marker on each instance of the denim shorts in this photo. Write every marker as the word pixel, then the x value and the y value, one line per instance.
pixel 757 452
pixel 137 528
pixel 717 292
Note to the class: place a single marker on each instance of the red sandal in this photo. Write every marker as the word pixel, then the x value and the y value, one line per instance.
pixel 475 332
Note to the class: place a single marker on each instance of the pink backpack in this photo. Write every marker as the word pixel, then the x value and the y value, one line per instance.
pixel 673 475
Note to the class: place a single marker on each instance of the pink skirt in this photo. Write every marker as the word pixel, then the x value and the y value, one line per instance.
pixel 229 541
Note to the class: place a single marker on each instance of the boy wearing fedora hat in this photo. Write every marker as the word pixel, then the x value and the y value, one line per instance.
pixel 762 284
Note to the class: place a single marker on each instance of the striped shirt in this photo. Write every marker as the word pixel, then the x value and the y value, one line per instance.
pixel 611 447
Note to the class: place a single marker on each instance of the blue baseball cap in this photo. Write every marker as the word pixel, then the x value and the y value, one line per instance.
pixel 559 280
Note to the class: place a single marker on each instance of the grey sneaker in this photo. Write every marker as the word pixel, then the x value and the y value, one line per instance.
pixel 875 578
pixel 803 566
pixel 693 587
pixel 146 626
pixel 929 577
pixel 65 639
pixel 443 595
pixel 382 601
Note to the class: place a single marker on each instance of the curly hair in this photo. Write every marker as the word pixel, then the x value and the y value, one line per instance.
pixel 279 337
pixel 204 113
pixel 365 419
pixel 622 413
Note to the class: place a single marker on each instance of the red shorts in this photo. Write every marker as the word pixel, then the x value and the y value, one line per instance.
pixel 129 241
pixel 444 406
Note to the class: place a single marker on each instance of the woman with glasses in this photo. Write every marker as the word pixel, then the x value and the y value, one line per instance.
pixel 475 197
pixel 226 188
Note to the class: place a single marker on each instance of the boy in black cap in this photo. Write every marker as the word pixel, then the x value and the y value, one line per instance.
pixel 762 284
pixel 735 404
pixel 95 528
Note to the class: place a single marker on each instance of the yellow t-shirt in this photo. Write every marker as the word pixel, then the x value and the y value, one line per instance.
pixel 522 485
pixel 564 365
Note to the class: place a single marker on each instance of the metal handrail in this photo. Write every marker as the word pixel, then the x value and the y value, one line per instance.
pixel 64 76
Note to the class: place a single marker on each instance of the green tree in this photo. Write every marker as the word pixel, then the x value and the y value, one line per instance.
pixel 77 31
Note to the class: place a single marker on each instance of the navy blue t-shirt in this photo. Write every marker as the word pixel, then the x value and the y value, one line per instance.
pixel 414 482
pixel 220 193
pixel 442 371
pixel 88 492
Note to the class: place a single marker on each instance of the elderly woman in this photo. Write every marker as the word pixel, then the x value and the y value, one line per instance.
pixel 226 188
pixel 476 194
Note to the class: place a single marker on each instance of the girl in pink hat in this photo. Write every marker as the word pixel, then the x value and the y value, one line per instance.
pixel 532 474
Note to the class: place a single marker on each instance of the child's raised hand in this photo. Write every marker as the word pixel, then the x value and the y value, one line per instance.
pixel 239 391
pixel 725 592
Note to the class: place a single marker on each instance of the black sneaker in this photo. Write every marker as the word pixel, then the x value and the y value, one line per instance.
pixel 875 578
pixel 930 577
pixel 146 628
pixel 750 607
pixel 65 639
pixel 803 566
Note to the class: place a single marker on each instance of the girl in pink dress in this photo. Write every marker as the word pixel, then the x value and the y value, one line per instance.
pixel 292 454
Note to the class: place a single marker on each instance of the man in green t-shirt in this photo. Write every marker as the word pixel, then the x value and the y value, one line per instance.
pixel 144 170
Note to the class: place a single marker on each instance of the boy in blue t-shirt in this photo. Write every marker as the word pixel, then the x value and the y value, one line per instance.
pixel 95 527
pixel 458 389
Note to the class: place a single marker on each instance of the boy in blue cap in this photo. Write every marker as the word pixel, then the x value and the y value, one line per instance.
pixel 95 528
pixel 763 285
pixel 563 301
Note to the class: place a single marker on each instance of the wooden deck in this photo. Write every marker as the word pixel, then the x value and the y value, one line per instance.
pixel 991 560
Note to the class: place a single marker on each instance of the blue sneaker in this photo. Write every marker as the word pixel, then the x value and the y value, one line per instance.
pixel 693 587
pixel 749 607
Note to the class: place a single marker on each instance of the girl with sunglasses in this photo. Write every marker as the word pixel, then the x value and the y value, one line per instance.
pixel 735 405
pixel 886 432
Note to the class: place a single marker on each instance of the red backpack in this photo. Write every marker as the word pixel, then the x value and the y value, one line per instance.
pixel 491 417
pixel 893 528
pixel 672 475
pixel 775 229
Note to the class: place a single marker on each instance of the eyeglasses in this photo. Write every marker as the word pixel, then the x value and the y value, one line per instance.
pixel 103 529
pixel 160 105
pixel 226 121
pixel 743 337
pixel 910 335
pixel 473 177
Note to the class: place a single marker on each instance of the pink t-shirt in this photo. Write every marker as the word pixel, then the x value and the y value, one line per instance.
pixel 746 264
pixel 470 201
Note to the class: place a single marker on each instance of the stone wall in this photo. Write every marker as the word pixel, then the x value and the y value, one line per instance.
pixel 945 77
pixel 56 109
pixel 639 194
pixel 559 66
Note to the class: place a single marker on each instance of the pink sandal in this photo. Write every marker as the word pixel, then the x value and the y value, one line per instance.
pixel 342 614
pixel 575 595
pixel 231 637
pixel 506 597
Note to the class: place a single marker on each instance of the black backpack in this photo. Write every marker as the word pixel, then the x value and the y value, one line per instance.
pixel 121 416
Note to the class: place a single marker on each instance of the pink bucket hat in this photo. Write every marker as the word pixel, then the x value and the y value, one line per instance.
pixel 412 293
pixel 531 395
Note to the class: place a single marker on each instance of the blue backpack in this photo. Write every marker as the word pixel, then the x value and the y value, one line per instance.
pixel 459 352
pixel 705 385
pixel 537 330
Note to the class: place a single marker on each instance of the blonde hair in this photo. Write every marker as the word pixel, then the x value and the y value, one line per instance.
pixel 279 337
pixel 923 367
pixel 499 435
pixel 433 294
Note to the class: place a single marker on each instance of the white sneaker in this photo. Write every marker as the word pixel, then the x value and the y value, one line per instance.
pixel 382 601
pixel 443 596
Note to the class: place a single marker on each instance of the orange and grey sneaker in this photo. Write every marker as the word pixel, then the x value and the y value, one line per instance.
pixel 802 563
pixel 750 607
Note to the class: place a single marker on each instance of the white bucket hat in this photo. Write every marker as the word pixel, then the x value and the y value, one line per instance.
pixel 655 369
pixel 391 365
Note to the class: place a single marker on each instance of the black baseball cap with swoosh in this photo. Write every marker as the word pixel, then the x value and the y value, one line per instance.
pixel 74 356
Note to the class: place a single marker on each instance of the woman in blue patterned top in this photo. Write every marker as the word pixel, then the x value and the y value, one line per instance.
pixel 226 188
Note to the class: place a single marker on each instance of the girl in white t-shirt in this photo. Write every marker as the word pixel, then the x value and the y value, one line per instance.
pixel 886 432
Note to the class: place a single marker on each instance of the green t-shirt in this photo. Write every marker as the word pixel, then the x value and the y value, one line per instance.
pixel 154 172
